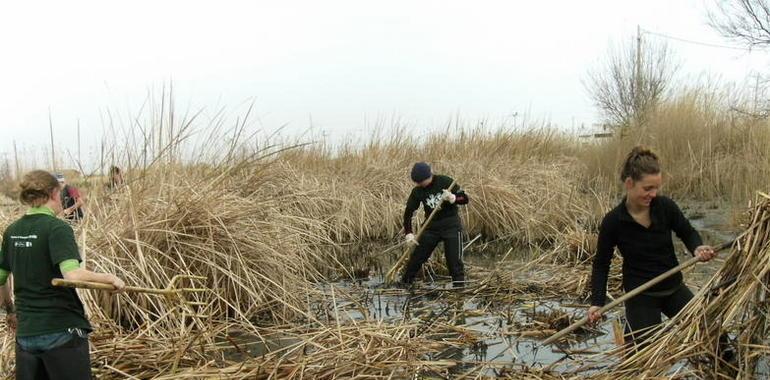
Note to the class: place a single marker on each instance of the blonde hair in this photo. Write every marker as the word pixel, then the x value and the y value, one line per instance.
pixel 639 162
pixel 36 188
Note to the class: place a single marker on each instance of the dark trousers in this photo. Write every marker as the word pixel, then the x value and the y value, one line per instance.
pixel 70 361
pixel 643 312
pixel 453 245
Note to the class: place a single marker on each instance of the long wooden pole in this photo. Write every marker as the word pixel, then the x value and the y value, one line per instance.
pixel 170 289
pixel 633 293
pixel 390 276
pixel 101 286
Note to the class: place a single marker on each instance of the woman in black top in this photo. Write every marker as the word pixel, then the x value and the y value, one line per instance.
pixel 640 227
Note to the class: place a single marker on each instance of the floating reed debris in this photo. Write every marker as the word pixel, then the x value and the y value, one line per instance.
pixel 371 350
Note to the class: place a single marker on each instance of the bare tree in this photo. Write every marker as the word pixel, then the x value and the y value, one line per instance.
pixel 744 21
pixel 6 179
pixel 632 80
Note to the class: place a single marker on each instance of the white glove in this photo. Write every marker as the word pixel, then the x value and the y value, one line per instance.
pixel 410 239
pixel 448 196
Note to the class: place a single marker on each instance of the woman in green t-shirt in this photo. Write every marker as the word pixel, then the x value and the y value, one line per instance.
pixel 50 322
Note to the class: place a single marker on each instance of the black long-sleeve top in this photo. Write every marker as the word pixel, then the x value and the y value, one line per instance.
pixel 430 197
pixel 647 252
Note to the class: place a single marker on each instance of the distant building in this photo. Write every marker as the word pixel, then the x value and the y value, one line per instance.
pixel 598 131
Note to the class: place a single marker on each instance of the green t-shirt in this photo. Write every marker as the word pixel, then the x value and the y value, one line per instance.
pixel 32 249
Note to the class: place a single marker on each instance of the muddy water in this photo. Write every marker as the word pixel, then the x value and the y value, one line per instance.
pixel 715 226
pixel 496 328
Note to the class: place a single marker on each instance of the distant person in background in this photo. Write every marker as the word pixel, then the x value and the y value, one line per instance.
pixel 71 200
pixel 116 178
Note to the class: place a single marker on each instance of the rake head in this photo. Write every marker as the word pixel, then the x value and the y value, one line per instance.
pixel 175 291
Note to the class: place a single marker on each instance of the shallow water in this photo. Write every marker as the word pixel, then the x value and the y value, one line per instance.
pixel 496 326
pixel 493 326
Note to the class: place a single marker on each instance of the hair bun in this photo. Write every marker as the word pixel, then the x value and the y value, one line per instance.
pixel 36 187
pixel 643 151
pixel 640 161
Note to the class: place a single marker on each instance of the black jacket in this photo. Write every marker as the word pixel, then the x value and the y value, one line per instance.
pixel 647 252
pixel 430 197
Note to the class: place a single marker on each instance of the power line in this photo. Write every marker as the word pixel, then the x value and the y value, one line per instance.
pixel 695 42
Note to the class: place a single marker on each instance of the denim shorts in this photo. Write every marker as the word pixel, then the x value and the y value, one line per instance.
pixel 41 343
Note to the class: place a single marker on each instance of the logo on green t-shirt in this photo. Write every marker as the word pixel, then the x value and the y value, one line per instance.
pixel 25 243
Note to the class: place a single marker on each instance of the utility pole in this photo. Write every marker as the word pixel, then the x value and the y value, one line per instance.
pixel 16 158
pixel 756 92
pixel 638 72
pixel 79 162
pixel 50 129
pixel 101 157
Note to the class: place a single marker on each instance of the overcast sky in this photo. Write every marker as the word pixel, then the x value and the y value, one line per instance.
pixel 342 64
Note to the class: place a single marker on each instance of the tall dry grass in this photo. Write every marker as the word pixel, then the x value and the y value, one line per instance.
pixel 525 186
pixel 709 150
pixel 264 228
pixel 266 222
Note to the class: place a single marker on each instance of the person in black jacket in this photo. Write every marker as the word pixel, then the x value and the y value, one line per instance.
pixel 430 191
pixel 640 227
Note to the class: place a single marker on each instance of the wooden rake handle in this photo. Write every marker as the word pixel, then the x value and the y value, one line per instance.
pixel 102 286
pixel 633 293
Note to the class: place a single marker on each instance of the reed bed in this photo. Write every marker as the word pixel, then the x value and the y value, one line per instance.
pixel 269 227
pixel 513 282
pixel 427 341
pixel 524 198
pixel 710 149
pixel 255 258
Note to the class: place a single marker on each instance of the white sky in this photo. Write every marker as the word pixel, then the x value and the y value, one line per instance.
pixel 343 63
